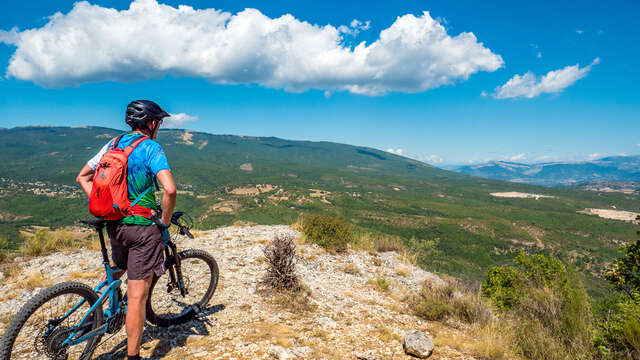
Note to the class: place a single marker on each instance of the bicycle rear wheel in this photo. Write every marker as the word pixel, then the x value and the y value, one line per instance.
pixel 32 335
pixel 166 306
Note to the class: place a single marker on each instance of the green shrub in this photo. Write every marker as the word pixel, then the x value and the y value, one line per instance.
pixel 382 284
pixel 550 303
pixel 4 248
pixel 624 274
pixel 618 328
pixel 618 331
pixel 330 232
pixel 502 286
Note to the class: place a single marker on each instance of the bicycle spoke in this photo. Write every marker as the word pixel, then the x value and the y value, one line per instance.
pixel 39 340
pixel 196 277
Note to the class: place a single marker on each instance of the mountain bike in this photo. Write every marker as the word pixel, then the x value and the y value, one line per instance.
pixel 69 319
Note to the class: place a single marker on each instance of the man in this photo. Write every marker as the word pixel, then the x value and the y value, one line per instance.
pixel 136 242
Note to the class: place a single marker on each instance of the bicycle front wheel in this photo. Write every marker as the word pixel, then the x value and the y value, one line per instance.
pixel 39 329
pixel 166 306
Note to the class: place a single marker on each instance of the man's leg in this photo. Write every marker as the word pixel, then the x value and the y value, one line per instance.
pixel 137 292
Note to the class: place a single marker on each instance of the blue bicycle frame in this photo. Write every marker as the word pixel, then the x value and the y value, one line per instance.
pixel 109 288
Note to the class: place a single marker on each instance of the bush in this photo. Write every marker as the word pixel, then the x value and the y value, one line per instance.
pixel 45 242
pixel 281 269
pixel 550 303
pixel 382 284
pixel 4 248
pixel 502 286
pixel 330 232
pixel 618 331
pixel 451 301
pixel 624 274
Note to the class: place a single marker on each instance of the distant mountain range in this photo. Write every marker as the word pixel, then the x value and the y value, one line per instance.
pixel 609 169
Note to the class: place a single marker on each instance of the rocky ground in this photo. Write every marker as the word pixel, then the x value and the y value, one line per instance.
pixel 346 316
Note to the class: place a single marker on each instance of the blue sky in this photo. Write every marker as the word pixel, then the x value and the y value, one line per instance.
pixel 469 105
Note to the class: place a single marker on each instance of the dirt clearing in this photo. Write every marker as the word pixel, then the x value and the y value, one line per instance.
pixel 521 195
pixel 612 214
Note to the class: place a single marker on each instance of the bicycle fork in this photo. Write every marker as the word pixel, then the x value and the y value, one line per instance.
pixel 174 268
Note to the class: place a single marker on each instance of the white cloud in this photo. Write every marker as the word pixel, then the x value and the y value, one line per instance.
pixel 484 93
pixel 396 151
pixel 150 40
pixel 596 156
pixel 529 85
pixel 354 27
pixel 539 55
pixel 637 144
pixel 518 157
pixel 432 159
pixel 580 32
pixel 9 37
pixel 178 120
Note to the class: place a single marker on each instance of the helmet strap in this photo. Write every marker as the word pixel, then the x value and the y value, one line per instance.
pixel 153 131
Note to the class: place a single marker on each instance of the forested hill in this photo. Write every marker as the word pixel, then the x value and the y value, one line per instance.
pixel 451 220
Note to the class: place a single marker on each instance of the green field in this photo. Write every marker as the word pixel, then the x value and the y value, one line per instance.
pixel 374 190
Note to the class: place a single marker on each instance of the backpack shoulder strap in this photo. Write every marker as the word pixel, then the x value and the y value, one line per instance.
pixel 134 144
pixel 115 142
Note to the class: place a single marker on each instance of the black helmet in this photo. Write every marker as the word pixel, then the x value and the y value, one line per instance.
pixel 141 112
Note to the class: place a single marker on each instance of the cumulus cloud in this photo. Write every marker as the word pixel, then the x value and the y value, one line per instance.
pixel 529 85
pixel 354 27
pixel 178 120
pixel 396 151
pixel 151 40
pixel 518 157
pixel 9 37
pixel 433 159
pixel 596 156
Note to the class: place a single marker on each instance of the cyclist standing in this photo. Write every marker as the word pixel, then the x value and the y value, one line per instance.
pixel 136 243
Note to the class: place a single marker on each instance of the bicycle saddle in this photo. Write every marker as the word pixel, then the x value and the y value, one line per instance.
pixel 97 223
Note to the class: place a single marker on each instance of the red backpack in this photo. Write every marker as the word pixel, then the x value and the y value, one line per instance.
pixel 109 197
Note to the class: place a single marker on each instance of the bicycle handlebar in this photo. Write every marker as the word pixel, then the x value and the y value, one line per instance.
pixel 184 226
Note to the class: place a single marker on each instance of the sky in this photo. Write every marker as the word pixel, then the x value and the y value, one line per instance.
pixel 440 81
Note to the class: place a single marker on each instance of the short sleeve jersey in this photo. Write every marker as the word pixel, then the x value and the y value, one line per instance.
pixel 144 163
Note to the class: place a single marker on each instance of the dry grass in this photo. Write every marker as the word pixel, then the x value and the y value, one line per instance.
pixel 351 268
pixel 43 241
pixel 380 284
pixel 280 334
pixel 386 335
pixel 35 279
pixel 491 342
pixel 296 302
pixel 75 275
pixel 376 243
pixel 377 261
pixel 402 271
pixel 242 223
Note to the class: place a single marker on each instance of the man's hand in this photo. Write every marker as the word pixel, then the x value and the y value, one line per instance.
pixel 169 197
pixel 85 179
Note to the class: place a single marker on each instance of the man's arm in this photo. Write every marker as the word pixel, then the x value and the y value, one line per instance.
pixel 85 179
pixel 169 196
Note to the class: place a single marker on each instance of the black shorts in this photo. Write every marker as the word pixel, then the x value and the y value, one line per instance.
pixel 138 249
